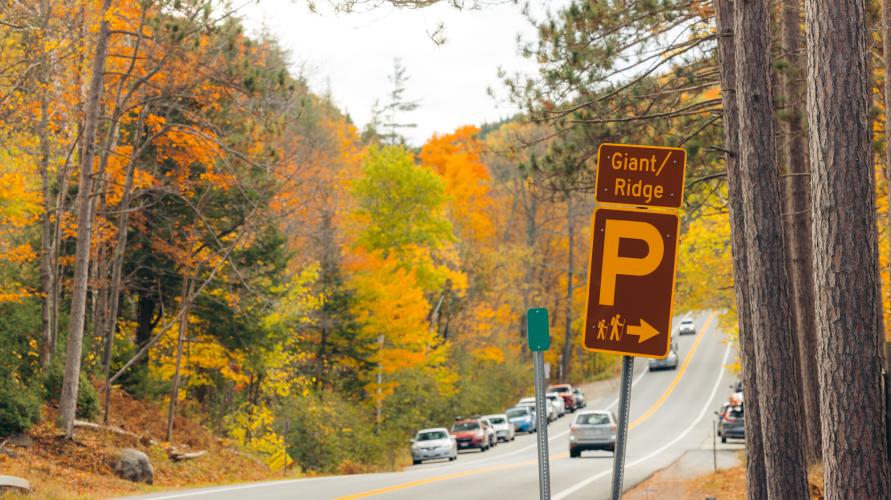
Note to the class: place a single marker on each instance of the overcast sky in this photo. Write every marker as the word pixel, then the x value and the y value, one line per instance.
pixel 352 54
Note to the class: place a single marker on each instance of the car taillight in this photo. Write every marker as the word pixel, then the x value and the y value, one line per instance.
pixel 728 418
pixel 612 428
pixel 573 428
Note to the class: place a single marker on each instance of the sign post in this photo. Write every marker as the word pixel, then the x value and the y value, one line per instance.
pixel 622 431
pixel 631 271
pixel 539 338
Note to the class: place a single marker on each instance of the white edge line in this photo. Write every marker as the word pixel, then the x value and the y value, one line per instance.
pixel 581 484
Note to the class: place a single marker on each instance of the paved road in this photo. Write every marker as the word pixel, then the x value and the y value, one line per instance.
pixel 671 412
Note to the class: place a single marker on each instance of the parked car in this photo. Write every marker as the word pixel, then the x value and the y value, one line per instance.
pixel 565 392
pixel 490 431
pixel 469 433
pixel 522 417
pixel 557 401
pixel 732 424
pixel 430 444
pixel 687 327
pixel 580 401
pixel 592 430
pixel 504 430
pixel 668 362
pixel 530 402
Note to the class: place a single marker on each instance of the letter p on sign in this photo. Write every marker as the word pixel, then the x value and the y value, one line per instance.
pixel 631 282
pixel 614 264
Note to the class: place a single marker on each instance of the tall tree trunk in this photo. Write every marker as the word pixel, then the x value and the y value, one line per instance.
pixel 886 52
pixel 180 340
pixel 117 264
pixel 799 258
pixel 777 370
pixel 68 399
pixel 848 295
pixel 530 210
pixel 566 362
pixel 756 478
pixel 47 276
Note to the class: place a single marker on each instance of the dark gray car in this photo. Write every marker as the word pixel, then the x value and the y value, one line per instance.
pixel 733 423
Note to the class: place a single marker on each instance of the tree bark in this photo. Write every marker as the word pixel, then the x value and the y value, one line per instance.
pixel 756 485
pixel 844 237
pixel 68 399
pixel 566 361
pixel 47 276
pixel 886 52
pixel 799 258
pixel 117 264
pixel 777 367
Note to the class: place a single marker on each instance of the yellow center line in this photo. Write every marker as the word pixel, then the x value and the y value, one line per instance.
pixel 639 420
pixel 677 377
pixel 446 477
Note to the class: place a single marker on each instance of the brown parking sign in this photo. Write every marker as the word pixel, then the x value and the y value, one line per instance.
pixel 631 282
pixel 643 176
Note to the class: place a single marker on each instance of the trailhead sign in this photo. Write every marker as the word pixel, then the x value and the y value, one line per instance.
pixel 631 282
pixel 631 272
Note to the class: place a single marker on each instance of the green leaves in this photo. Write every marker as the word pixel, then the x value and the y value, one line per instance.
pixel 401 204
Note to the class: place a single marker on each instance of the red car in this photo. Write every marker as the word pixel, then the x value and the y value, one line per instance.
pixel 565 392
pixel 470 433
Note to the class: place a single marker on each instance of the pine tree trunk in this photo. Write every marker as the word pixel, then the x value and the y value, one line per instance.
pixel 755 476
pixel 799 258
pixel 886 52
pixel 68 399
pixel 777 366
pixel 844 237
pixel 566 361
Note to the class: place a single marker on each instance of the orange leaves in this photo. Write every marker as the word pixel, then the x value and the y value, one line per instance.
pixel 188 148
pixel 456 157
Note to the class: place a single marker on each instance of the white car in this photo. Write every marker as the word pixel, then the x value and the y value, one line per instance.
pixel 431 444
pixel 530 402
pixel 558 403
pixel 504 429
pixel 687 327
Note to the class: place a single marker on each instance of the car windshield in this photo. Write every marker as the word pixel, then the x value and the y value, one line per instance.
pixel 687 322
pixel 559 389
pixel 736 412
pixel 516 413
pixel 465 426
pixel 496 420
pixel 431 435
pixel 592 419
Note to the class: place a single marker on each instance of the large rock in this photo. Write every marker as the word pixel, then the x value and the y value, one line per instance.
pixel 134 465
pixel 20 440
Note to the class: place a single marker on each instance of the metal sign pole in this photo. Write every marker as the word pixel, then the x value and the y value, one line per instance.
pixel 539 337
pixel 622 435
pixel 541 415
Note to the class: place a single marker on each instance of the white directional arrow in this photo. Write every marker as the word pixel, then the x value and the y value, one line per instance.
pixel 644 331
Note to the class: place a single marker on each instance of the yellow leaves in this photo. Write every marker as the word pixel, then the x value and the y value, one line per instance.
pixel 20 208
pixel 203 356
pixel 489 353
pixel 252 427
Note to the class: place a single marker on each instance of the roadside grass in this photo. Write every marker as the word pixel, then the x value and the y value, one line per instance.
pixel 725 484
